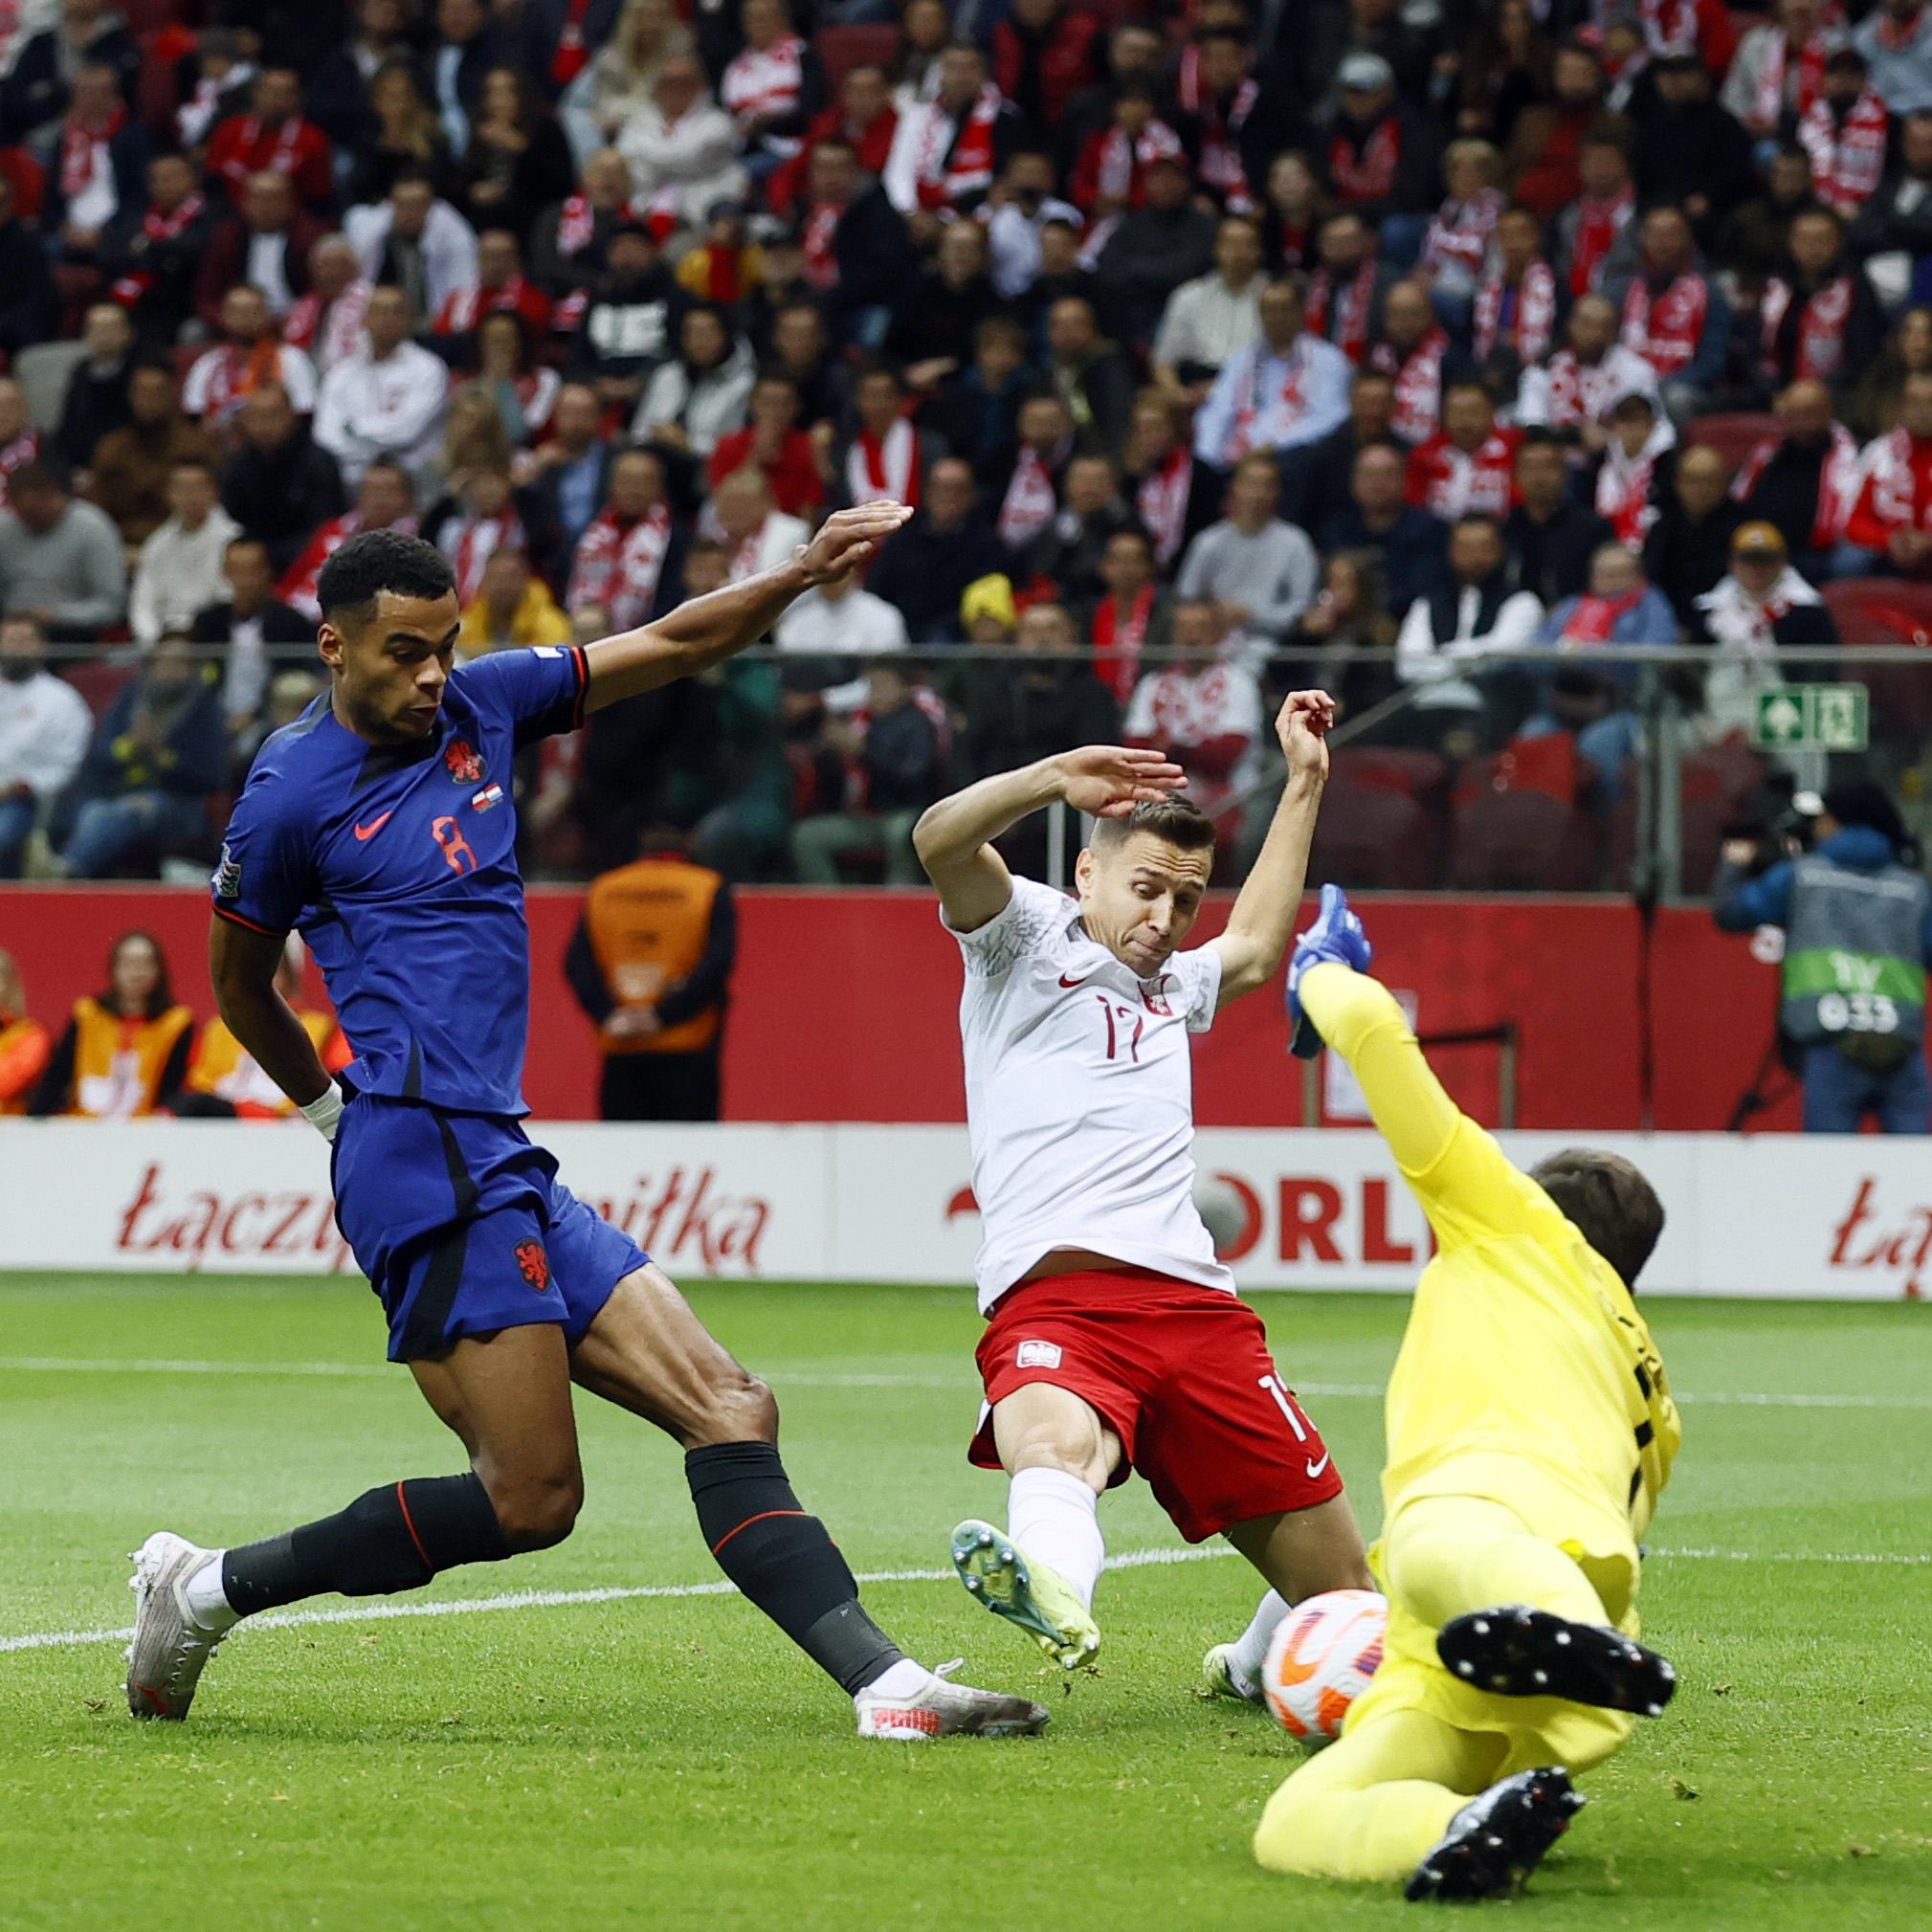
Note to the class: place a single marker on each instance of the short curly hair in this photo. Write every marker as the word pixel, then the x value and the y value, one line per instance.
pixel 376 561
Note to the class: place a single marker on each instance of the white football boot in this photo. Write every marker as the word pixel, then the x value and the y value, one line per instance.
pixel 171 1647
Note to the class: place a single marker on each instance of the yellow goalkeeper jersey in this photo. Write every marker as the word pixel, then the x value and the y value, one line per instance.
pixel 1525 1375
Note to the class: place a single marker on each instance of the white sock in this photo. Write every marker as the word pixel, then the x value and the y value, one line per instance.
pixel 207 1601
pixel 905 1679
pixel 1055 1519
pixel 1251 1650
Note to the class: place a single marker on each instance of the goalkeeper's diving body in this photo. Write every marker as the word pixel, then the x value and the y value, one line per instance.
pixel 1531 1431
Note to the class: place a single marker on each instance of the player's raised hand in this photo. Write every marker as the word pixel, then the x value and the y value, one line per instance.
pixel 1302 725
pixel 1107 781
pixel 848 537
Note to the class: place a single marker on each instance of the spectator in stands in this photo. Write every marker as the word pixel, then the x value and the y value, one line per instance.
pixel 624 559
pixel 385 500
pixel 1896 39
pixel 467 44
pixel 88 32
pixel 1067 553
pixel 897 747
pixel 251 353
pixel 500 288
pixel 1477 616
pixel 1348 286
pixel 404 137
pixel 701 393
pixel 1261 570
pixel 1210 319
pixel 772 89
pixel 854 244
pixel 1174 494
pixel 277 485
pixel 1591 230
pixel 977 412
pixel 1760 603
pixel 513 607
pixel 519 161
pixel 290 694
pixel 100 167
pixel 1160 246
pixel 95 401
pixel 153 253
pixel 1315 479
pixel 132 465
pixel 123 1050
pixel 1133 620
pixel 1379 156
pixel 1573 392
pixel 933 326
pixel 829 633
pixel 1893 231
pixel 1460 237
pixel 1550 536
pixel 159 753
pixel 627 329
pixel 926 566
pixel 274 138
pixel 682 147
pixel 1753 238
pixel 1468 466
pixel 327 324
pixel 1690 152
pixel 44 729
pixel 1805 482
pixel 225 1082
pixel 337 95
pixel 1675 317
pixel 572 467
pixel 864 116
pixel 415 242
pixel 28 308
pixel 887 456
pixel 651 964
pixel 1286 390
pixel 1345 641
pixel 1891 526
pixel 1846 133
pixel 1413 351
pixel 25 1044
pixel 1774 75
pixel 1203 710
pixel 385 402
pixel 757 534
pixel 266 245
pixel 1619 607
pixel 1028 474
pixel 1089 375
pixel 182 562
pixel 61 561
pixel 782 453
pixel 948 149
pixel 261 632
pixel 1819 315
pixel 1856 915
pixel 1688 550
pixel 1408 546
pixel 1631 475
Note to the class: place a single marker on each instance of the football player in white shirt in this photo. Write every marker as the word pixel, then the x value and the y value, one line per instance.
pixel 1115 1338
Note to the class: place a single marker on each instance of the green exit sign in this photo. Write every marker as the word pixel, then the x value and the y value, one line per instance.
pixel 1812 718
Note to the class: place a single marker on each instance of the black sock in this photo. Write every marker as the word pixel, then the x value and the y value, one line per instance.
pixel 783 1560
pixel 390 1539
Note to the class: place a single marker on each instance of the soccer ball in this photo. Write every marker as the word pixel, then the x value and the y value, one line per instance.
pixel 1320 1657
pixel 1222 1212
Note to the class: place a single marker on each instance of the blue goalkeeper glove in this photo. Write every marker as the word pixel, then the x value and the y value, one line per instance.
pixel 1336 935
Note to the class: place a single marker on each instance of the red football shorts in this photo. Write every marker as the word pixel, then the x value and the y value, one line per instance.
pixel 1181 1374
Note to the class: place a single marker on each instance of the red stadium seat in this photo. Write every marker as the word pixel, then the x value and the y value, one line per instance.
pixel 1548 765
pixel 98 681
pixel 841 49
pixel 1522 841
pixel 1732 434
pixel 1373 838
pixel 1416 775
pixel 1887 610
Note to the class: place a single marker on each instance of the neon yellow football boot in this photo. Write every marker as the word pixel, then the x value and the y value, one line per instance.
pixel 999 1574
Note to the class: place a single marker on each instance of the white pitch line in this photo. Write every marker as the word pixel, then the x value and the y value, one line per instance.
pixel 566 1599
pixel 778 1373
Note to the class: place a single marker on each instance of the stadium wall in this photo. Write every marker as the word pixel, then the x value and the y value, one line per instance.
pixel 1845 1219
pixel 844 1003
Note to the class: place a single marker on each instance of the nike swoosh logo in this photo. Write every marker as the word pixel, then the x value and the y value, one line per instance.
pixel 1315 1469
pixel 375 825
pixel 1080 982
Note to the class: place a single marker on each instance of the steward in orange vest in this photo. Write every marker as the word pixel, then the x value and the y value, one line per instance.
pixel 124 1051
pixel 24 1044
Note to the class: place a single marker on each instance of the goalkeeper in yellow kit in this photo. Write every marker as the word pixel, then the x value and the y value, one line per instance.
pixel 1531 1431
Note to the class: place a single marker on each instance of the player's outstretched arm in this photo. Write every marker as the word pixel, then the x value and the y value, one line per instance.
pixel 241 966
pixel 708 630
pixel 1263 920
pixel 954 838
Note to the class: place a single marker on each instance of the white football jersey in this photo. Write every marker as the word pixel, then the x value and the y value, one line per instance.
pixel 1080 1096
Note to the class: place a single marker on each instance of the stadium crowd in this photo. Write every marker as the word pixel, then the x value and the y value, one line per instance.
pixel 1221 348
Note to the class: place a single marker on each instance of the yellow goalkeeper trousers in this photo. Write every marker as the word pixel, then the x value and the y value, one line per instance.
pixel 1371 1804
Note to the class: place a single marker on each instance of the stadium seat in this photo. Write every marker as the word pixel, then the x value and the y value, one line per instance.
pixel 1547 763
pixel 841 49
pixel 1522 841
pixel 1887 610
pixel 1417 775
pixel 44 372
pixel 1732 434
pixel 1373 839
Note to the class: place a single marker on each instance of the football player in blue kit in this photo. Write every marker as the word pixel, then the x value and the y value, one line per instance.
pixel 381 826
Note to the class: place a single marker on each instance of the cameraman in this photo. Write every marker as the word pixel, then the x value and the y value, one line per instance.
pixel 1857 924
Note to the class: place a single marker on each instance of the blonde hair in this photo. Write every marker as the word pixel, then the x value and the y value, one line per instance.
pixel 1479 154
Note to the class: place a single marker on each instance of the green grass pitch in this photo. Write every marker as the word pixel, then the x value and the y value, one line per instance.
pixel 669 1762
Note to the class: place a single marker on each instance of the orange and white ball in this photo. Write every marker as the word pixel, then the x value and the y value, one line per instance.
pixel 1320 1657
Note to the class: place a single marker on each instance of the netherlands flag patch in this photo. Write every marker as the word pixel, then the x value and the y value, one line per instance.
pixel 491 794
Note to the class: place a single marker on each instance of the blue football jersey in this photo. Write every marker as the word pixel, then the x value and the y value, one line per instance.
pixel 397 863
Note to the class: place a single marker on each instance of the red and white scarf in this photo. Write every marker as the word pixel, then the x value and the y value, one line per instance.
pixel 1117 170
pixel 570 55
pixel 470 542
pixel 1280 412
pixel 1897 490
pixel 331 334
pixel 283 156
pixel 1896 36
pixel 1418 384
pixel 298 585
pixel 236 373
pixel 1665 329
pixel 1030 504
pixel 1368 174
pixel 618 565
pixel 762 85
pixel 1460 235
pixel 577 224
pixel 884 466
pixel 1840 478
pixel 1120 641
pixel 1769 105
pixel 1161 500
pixel 1670 26
pixel 23 449
pixel 84 154
pixel 465 307
pixel 1598 224
pixel 1451 483
pixel 1848 157
pixel 1353 305
pixel 157 226
pixel 1220 171
pixel 1623 484
pixel 956 158
pixel 820 244
pixel 1581 392
pixel 1521 319
pixel 1595 617
pixel 1818 352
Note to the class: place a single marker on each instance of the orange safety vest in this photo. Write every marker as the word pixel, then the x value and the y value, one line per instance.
pixel 224 1066
pixel 648 924
pixel 118 1063
pixel 24 1049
